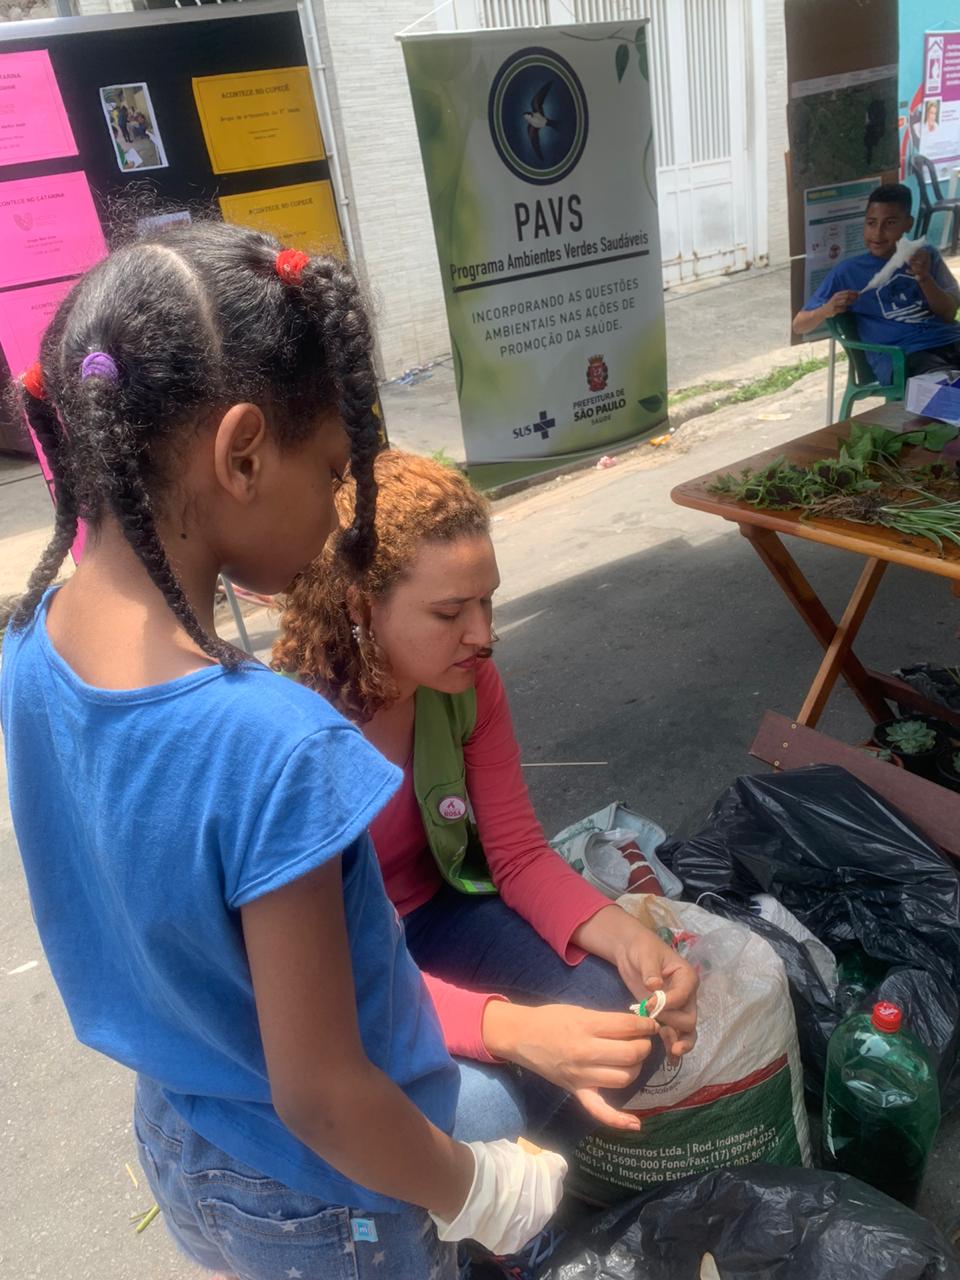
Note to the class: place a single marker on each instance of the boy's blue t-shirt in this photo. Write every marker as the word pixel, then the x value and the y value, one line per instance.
pixel 895 315
pixel 146 818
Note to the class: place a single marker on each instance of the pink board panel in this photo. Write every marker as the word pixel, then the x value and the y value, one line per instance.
pixel 33 119
pixel 48 228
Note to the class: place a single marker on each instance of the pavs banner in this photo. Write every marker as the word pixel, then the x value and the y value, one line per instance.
pixel 538 153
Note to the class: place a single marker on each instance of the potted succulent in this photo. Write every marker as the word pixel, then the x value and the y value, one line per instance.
pixel 881 753
pixel 948 768
pixel 916 741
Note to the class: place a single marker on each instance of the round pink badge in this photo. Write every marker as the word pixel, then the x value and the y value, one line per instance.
pixel 452 808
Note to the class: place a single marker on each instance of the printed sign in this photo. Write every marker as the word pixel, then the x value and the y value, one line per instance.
pixel 538 153
pixel 24 316
pixel 939 125
pixel 301 217
pixel 833 226
pixel 33 119
pixel 48 229
pixel 259 119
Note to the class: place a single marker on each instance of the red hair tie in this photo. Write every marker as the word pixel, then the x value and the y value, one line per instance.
pixel 289 264
pixel 32 380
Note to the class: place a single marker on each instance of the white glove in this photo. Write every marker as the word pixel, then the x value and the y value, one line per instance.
pixel 513 1195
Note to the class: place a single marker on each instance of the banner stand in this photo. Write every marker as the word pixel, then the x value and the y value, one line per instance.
pixel 537 148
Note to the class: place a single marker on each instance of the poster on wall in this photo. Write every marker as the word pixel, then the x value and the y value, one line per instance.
pixel 928 91
pixel 33 119
pixel 259 119
pixel 537 148
pixel 302 216
pixel 833 230
pixel 939 124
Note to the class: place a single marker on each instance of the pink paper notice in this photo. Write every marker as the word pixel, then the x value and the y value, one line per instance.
pixel 33 119
pixel 48 228
pixel 24 315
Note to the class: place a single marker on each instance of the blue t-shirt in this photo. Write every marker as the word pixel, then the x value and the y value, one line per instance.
pixel 146 818
pixel 895 315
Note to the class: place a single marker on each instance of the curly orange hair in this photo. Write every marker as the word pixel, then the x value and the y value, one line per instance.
pixel 418 500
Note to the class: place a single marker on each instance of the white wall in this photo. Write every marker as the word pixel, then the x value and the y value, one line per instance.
pixel 776 133
pixel 390 212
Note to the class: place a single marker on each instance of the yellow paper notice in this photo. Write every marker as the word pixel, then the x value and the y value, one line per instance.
pixel 258 119
pixel 301 217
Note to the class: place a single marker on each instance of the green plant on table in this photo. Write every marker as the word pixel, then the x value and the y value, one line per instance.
pixel 864 483
pixel 926 517
pixel 782 485
pixel 911 737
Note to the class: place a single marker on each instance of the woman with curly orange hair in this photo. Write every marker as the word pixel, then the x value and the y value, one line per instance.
pixel 527 964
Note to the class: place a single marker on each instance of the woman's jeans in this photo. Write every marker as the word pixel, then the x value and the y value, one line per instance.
pixel 230 1218
pixel 478 942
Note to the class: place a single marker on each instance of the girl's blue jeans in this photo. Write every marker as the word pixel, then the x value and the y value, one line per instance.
pixel 230 1218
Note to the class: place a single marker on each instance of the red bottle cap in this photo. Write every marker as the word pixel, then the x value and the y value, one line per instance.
pixel 886 1016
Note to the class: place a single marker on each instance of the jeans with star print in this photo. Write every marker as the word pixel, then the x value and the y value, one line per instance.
pixel 228 1217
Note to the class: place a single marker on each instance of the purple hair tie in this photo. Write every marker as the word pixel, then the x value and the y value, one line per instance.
pixel 99 365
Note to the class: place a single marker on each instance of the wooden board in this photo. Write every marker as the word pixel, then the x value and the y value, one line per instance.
pixel 786 744
pixel 862 539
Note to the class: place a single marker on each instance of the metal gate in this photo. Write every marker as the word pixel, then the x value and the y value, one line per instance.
pixel 711 182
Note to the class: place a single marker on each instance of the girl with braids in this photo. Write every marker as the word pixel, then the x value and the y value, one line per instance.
pixel 489 909
pixel 193 828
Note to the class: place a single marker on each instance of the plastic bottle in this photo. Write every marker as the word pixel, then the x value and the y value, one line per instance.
pixel 881 1104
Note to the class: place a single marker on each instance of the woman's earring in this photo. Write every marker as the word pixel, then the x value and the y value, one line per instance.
pixel 356 632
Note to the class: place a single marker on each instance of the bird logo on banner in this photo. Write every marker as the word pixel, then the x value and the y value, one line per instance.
pixel 537 119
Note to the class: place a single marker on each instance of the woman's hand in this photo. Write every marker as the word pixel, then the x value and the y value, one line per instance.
pixel 646 964
pixel 576 1049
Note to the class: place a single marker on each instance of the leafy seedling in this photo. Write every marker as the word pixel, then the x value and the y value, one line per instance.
pixel 911 737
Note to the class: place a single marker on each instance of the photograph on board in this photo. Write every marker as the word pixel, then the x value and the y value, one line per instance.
pixel 133 127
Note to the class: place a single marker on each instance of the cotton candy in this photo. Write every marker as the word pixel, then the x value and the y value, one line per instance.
pixel 903 253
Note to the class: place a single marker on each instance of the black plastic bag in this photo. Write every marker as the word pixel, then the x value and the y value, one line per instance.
pixel 758 1223
pixel 857 873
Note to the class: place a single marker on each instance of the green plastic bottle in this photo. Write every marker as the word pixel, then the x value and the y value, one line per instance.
pixel 881 1103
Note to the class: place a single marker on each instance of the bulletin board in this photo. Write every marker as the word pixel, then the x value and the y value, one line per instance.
pixel 106 121
pixel 843 128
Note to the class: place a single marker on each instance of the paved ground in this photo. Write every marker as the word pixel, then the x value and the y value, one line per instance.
pixel 633 632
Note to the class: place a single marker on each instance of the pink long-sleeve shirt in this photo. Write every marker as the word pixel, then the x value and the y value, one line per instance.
pixel 533 880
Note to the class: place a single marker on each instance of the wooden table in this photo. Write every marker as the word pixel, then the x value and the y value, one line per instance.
pixel 786 742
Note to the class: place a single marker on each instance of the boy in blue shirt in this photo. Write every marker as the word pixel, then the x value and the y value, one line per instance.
pixel 914 310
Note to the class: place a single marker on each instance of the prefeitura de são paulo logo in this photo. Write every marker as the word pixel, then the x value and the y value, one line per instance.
pixel 538 115
pixel 597 373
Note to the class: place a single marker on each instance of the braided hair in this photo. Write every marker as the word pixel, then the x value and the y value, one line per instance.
pixel 194 319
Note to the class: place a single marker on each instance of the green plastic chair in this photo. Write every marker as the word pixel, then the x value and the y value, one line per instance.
pixel 861 379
